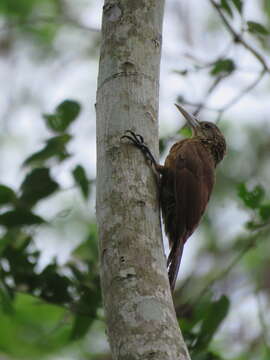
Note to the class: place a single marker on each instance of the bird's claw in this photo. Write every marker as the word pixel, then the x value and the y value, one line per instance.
pixel 138 141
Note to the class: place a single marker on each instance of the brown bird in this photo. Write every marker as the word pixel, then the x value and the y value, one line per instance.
pixel 186 183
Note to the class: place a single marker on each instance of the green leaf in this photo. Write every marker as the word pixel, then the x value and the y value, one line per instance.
pixel 185 131
pixel 162 145
pixel 264 211
pixel 239 5
pixel 88 304
pixel 257 28
pixel 216 313
pixel 225 66
pixel 55 147
pixel 64 115
pixel 34 324
pixel 81 179
pixel 225 5
pixel 19 217
pixel 253 198
pixel 37 185
pixel 5 300
pixel 7 195
pixel 81 326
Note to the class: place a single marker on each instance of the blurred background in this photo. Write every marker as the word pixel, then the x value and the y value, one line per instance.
pixel 215 62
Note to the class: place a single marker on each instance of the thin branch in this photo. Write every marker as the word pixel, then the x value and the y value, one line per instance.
pixel 238 38
pixel 251 242
pixel 232 102
pixel 209 92
pixel 243 92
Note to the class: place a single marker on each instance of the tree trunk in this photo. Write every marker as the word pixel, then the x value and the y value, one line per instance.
pixel 139 309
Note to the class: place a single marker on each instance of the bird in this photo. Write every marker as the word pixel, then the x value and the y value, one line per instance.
pixel 186 182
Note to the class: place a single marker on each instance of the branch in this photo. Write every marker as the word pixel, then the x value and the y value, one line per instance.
pixel 238 38
pixel 243 92
pixel 251 242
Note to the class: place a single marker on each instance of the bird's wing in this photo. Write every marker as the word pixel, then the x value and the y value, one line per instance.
pixel 186 188
pixel 193 183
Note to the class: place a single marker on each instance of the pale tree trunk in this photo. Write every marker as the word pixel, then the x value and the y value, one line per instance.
pixel 137 300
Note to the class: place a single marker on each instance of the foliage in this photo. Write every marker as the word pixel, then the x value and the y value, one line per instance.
pixel 63 300
pixel 46 309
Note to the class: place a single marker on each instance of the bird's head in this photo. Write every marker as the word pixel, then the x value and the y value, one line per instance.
pixel 207 132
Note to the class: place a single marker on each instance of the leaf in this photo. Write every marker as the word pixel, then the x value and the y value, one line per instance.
pixel 215 315
pixel 64 115
pixel 37 185
pixel 55 287
pixel 224 5
pixel 264 211
pixel 7 195
pixel 239 5
pixel 55 147
pixel 81 179
pixel 34 324
pixel 81 326
pixel 19 217
pixel 88 304
pixel 257 28
pixel 225 66
pixel 185 131
pixel 5 300
pixel 253 198
pixel 162 145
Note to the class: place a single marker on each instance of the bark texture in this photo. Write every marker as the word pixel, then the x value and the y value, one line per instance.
pixel 139 309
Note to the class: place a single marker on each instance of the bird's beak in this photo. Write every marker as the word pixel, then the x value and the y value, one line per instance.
pixel 192 121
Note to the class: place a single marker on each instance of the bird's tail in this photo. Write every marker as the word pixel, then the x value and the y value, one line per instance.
pixel 174 261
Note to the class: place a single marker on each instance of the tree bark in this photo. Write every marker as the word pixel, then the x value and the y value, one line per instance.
pixel 137 299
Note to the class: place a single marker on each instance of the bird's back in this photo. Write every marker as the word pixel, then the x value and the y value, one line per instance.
pixel 186 186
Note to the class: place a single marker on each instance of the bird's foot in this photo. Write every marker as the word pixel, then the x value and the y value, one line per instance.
pixel 138 141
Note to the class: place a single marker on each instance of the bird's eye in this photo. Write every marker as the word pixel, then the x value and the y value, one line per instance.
pixel 207 126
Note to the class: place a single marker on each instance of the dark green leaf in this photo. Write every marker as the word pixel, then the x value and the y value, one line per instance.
pixel 55 147
pixel 264 211
pixel 225 66
pixel 5 300
pixel 162 145
pixel 214 317
pixel 238 4
pixel 64 115
pixel 87 305
pixel 81 326
pixel 81 179
pixel 19 217
pixel 7 195
pixel 37 185
pixel 225 5
pixel 252 225
pixel 257 28
pixel 53 286
pixel 253 198
pixel 181 72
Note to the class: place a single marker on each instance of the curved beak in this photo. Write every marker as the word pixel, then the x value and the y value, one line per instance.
pixel 192 121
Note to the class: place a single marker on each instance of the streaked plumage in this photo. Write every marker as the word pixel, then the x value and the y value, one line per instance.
pixel 187 180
